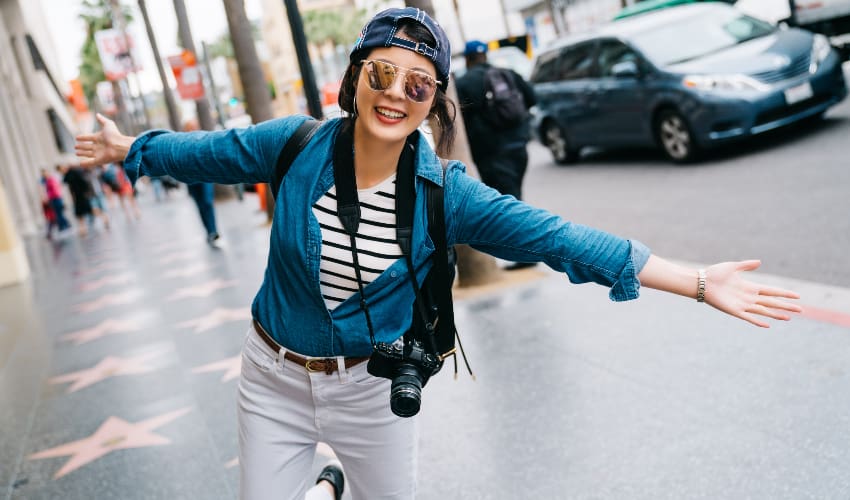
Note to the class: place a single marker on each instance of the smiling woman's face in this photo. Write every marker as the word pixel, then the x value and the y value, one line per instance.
pixel 389 115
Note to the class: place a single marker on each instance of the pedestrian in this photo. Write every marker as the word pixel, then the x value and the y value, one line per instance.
pixel 53 195
pixel 335 295
pixel 82 192
pixel 203 195
pixel 116 185
pixel 49 216
pixel 495 103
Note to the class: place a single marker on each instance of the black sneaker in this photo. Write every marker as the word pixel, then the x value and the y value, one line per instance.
pixel 516 266
pixel 332 473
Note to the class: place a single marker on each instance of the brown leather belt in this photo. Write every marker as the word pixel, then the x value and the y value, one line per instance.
pixel 327 365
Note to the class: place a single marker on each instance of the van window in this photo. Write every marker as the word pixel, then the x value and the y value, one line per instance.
pixel 576 62
pixel 546 69
pixel 611 53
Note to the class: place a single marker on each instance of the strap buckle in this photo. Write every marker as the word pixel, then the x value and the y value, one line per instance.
pixel 319 365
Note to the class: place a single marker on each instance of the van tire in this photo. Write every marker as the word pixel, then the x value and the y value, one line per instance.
pixel 555 138
pixel 675 137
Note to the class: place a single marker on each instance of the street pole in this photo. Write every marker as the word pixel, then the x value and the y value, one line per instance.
pixel 505 18
pixel 202 105
pixel 308 78
pixel 459 21
pixel 213 91
pixel 170 104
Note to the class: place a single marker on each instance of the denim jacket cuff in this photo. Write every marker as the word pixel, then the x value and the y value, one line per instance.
pixel 133 160
pixel 627 286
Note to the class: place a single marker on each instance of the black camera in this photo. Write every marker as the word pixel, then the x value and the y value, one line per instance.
pixel 409 365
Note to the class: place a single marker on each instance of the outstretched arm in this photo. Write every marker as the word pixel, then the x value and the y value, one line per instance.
pixel 108 145
pixel 725 289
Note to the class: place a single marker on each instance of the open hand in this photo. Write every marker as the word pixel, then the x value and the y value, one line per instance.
pixel 105 146
pixel 728 291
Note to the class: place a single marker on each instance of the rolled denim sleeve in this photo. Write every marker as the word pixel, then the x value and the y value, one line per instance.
pixel 627 286
pixel 513 230
pixel 246 155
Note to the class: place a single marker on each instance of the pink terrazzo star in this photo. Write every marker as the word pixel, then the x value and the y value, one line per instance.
pixel 114 434
pixel 230 366
pixel 185 272
pixel 108 300
pixel 104 328
pixel 178 256
pixel 118 279
pixel 217 317
pixel 109 366
pixel 202 290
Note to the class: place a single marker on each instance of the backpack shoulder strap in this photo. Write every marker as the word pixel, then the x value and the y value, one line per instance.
pixel 290 151
pixel 443 278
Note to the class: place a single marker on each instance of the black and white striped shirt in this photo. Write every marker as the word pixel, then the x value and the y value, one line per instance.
pixel 377 246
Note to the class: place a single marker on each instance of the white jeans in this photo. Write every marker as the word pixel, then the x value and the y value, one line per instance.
pixel 283 411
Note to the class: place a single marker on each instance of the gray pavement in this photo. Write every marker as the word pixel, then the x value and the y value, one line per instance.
pixel 576 397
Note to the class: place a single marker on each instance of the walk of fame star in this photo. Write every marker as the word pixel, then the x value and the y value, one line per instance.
pixel 177 256
pixel 118 279
pixel 108 300
pixel 104 328
pixel 202 290
pixel 113 434
pixel 185 272
pixel 217 317
pixel 230 366
pixel 109 366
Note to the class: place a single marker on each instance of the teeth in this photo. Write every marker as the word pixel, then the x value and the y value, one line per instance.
pixel 389 113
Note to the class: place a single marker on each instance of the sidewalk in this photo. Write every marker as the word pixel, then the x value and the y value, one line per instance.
pixel 118 367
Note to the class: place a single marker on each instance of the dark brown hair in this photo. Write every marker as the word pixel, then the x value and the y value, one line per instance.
pixel 443 109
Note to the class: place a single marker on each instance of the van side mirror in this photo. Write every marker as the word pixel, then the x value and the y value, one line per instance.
pixel 625 69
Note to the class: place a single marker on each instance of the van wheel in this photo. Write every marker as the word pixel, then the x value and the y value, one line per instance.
pixel 675 137
pixel 556 140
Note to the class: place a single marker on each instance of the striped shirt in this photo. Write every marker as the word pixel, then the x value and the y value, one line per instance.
pixel 377 246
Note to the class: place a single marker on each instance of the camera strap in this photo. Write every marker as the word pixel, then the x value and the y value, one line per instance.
pixel 348 209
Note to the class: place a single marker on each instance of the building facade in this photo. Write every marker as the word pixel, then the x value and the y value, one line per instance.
pixel 36 129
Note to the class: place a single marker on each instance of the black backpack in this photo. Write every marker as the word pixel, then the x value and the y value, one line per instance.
pixel 504 104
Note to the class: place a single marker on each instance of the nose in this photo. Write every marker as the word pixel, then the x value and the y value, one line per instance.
pixel 396 89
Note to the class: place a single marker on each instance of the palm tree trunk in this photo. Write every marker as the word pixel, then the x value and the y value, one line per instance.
pixel 257 96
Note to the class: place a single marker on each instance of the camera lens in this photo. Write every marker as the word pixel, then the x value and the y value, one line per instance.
pixel 406 391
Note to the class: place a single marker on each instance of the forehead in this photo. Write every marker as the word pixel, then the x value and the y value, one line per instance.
pixel 404 58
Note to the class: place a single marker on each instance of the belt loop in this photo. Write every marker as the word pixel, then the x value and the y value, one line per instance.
pixel 342 371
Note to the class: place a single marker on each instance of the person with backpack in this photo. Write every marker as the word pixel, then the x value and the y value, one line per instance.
pixel 343 336
pixel 495 103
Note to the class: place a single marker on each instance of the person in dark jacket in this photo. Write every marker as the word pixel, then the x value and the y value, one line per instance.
pixel 499 151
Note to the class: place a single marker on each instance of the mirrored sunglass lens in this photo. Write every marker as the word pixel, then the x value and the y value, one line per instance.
pixel 418 87
pixel 381 75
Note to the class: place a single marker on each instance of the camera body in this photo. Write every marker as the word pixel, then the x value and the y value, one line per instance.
pixel 409 364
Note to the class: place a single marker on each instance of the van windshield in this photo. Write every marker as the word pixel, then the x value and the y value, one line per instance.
pixel 698 36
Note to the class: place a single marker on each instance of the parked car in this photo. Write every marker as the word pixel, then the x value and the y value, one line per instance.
pixel 685 78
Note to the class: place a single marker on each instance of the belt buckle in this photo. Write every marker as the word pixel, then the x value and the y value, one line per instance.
pixel 325 365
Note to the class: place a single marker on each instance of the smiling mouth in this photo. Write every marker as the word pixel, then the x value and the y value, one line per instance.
pixel 394 115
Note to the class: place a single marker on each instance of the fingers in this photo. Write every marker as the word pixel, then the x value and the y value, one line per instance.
pixel 748 265
pixel 768 312
pixel 750 318
pixel 778 292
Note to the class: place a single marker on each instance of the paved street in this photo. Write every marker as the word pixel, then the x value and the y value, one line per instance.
pixel 118 360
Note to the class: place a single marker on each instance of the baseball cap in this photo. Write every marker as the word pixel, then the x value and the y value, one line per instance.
pixel 475 47
pixel 381 31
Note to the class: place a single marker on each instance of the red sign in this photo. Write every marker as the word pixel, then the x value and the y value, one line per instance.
pixel 117 53
pixel 190 82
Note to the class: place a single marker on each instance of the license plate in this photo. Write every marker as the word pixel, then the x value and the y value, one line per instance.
pixel 799 93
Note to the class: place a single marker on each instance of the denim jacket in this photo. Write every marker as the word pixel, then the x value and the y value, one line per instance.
pixel 289 304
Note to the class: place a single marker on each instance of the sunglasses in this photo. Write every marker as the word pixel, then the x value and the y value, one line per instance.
pixel 418 86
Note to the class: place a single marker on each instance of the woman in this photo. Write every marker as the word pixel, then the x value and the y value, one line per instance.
pixel 311 304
